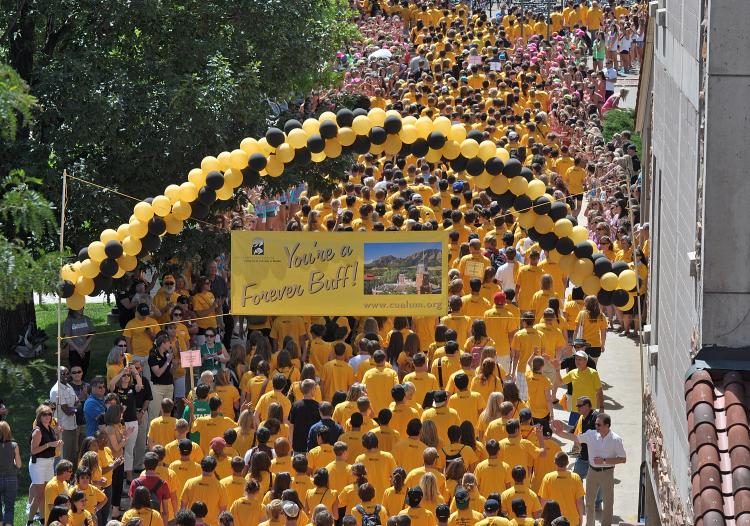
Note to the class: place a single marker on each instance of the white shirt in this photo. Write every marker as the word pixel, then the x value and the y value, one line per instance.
pixel 67 397
pixel 611 76
pixel 609 446
pixel 505 277
pixel 355 362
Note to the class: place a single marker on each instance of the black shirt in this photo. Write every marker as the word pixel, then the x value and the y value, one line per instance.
pixel 80 417
pixel 156 359
pixel 127 399
pixel 303 414
pixel 144 394
pixel 587 424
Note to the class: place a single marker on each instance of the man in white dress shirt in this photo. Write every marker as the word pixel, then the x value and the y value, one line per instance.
pixel 506 273
pixel 605 452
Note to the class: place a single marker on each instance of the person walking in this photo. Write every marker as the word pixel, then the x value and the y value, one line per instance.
pixel 605 450
pixel 10 463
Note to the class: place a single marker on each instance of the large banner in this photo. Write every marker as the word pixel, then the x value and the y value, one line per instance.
pixel 341 273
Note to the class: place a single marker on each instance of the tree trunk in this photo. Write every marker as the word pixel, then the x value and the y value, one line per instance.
pixel 13 323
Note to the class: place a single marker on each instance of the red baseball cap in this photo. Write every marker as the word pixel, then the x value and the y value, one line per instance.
pixel 500 298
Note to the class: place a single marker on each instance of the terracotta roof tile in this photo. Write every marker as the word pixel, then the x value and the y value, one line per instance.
pixel 717 405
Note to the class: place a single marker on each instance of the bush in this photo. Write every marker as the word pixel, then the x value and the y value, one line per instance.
pixel 616 121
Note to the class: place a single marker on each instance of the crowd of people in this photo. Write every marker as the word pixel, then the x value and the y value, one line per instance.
pixel 371 421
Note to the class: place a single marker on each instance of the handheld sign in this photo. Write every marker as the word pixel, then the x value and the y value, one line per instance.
pixel 188 360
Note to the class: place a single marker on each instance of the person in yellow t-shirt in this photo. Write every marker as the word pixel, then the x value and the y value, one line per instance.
pixel 520 499
pixel 441 415
pixel 574 179
pixel 408 451
pixel 247 510
pixel 526 342
pixel 322 454
pixel 161 430
pixel 528 281
pixel 474 304
pixel 444 366
pixel 318 351
pixel 464 514
pixel 205 305
pixel 456 320
pixel 207 489
pixel 336 375
pixel 57 485
pixel 594 327
pixel 493 475
pixel 501 326
pixel 418 515
pixel 140 332
pixel 387 436
pixel 182 429
pixel 379 382
pixel 379 464
pixel 585 382
pixel 95 498
pixel 339 473
pixel 422 380
pixel 184 468
pixel 141 509
pixel 565 488
pixel 467 404
pixel 234 484
pixel 540 394
pixel 213 425
pixel 278 383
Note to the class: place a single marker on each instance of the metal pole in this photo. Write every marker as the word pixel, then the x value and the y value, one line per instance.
pixel 549 14
pixel 63 205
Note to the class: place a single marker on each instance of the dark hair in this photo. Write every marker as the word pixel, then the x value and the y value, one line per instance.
pixel 551 511
pixel 184 518
pixel 141 498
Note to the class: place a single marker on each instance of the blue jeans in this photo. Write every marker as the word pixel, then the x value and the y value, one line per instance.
pixel 581 468
pixel 8 492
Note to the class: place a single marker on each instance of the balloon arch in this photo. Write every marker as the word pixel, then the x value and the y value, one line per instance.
pixel 360 131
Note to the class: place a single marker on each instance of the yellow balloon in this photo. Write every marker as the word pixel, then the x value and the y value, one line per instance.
pixel 123 231
pixel 209 164
pixel 392 144
pixel 75 302
pixel 361 125
pixel 535 189
pixel 544 224
pixel 408 134
pixel 174 225
pixel 328 116
pixel 579 234
pixel 433 156
pixel 84 286
pixel 238 159
pixel 609 281
pixel 89 269
pixel 285 153
pixel 108 235
pixel 161 205
pixel 96 251
pixel 249 146
pixel 443 125
pixel 138 229
pixel 469 148
pixel 553 256
pixel 188 192
pixel 332 148
pixel 424 127
pixel 68 272
pixel 297 138
pixel 483 180
pixel 392 113
pixel 627 280
pixel 274 167
pixel 518 185
pixel 409 119
pixel 318 157
pixel 131 246
pixel 127 263
pixel 223 159
pixel 224 193
pixel 563 227
pixel 346 136
pixel 526 219
pixel 197 178
pixel 311 127
pixel 458 133
pixel 591 285
pixel 233 178
pixel 500 184
pixel 487 150
pixel 594 246
pixel 143 211
pixel 377 149
pixel 376 116
pixel 582 269
pixel 567 263
pixel 182 210
pixel 173 193
pixel 629 304
pixel 451 150
pixel 265 148
pixel 503 154
pixel 120 273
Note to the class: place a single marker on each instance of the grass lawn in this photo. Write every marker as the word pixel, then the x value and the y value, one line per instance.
pixel 23 401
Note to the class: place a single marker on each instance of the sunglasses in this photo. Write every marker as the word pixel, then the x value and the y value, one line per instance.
pixel 123 345
pixel 210 335
pixel 582 405
pixel 76 372
pixel 46 414
pixel 177 315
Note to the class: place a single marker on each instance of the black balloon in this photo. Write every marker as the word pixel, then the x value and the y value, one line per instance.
pixel 506 200
pixel 257 162
pixel 619 266
pixel 344 117
pixel 565 245
pixel 405 149
pixel 83 254
pixel 436 140
pixel 533 234
pixel 526 173
pixel 275 137
pixel 620 297
pixel 604 297
pixel 65 289
pixel 214 180
pixel 148 200
pixel 150 242
pixel 542 205
pixel 459 163
pixel 476 135
pixel 419 148
pixel 475 166
pixel 108 267
pixel 596 256
pixel 328 129
pixel 583 250
pixel 548 241
pixel 291 124
pixel 512 168
pixel 361 144
pixel 206 195
pixel 157 226
pixel 302 157
pixel 571 218
pixel 378 135
pixel 558 210
pixel 522 203
pixel 392 124
pixel 494 166
pixel 315 143
pixel 602 266
pixel 102 282
pixel 113 249
pixel 357 112
pixel 198 210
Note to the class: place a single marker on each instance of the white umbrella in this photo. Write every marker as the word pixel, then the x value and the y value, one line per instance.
pixel 380 53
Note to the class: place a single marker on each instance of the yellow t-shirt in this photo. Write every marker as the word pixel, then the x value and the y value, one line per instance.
pixel 468 405
pixel 84 517
pixel 408 453
pixel 320 456
pixel 379 382
pixel 339 474
pixel 53 488
pixel 161 430
pixel 493 476
pixel 585 383
pixel 566 488
pixel 148 516
pixel 183 471
pixel 379 466
pixel 538 386
pixel 420 516
pixel 528 282
pixel 424 382
pixel 520 492
pixel 336 375
pixel 443 417
pixel 201 302
pixel 518 451
pixel 234 486
pixel 246 511
pixel 269 398
pixel 525 342
pixel 209 490
pixel 140 341
pixel 173 452
pixel 211 427
pixel 592 328
pixel 93 494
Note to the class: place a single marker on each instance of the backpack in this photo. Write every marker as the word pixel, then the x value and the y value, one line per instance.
pixel 476 355
pixel 155 502
pixel 369 519
pixel 455 456
pixel 331 326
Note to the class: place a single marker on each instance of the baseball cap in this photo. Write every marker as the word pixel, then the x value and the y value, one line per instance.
pixel 143 309
pixel 581 354
pixel 290 508
pixel 414 496
pixel 185 446
pixel 491 506
pixel 458 186
pixel 218 443
pixel 440 397
pixel 462 499
pixel 500 298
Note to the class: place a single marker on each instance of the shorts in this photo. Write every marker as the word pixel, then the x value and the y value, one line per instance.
pixel 639 44
pixel 578 197
pixel 594 352
pixel 523 388
pixel 624 52
pixel 544 422
pixel 42 470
